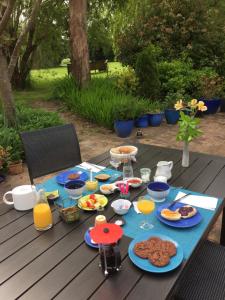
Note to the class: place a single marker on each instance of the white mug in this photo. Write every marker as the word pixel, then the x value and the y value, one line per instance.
pixel 24 197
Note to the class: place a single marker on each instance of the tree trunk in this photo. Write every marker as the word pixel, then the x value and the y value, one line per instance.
pixel 28 26
pixel 6 93
pixel 78 38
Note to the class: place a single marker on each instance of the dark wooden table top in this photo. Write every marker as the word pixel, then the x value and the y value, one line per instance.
pixel 57 264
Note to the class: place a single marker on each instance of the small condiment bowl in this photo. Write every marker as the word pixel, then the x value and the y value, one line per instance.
pixel 108 189
pixel 134 184
pixel 75 188
pixel 158 191
pixel 121 206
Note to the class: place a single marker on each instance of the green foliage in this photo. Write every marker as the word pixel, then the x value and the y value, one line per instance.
pixel 4 158
pixel 100 102
pixel 188 128
pixel 28 119
pixel 147 73
pixel 188 28
pixel 210 86
pixel 127 81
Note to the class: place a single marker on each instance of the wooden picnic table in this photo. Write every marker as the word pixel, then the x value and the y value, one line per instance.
pixel 57 264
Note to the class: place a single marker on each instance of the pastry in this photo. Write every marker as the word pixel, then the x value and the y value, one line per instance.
pixel 170 214
pixel 187 211
pixel 102 177
pixel 73 176
pixel 125 149
pixel 159 258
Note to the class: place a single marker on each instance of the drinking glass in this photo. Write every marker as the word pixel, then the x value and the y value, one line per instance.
pixel 115 162
pixel 146 206
pixel 145 174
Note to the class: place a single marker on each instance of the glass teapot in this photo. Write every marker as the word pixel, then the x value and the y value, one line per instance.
pixel 106 236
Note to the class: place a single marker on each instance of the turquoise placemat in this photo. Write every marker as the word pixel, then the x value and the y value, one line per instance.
pixel 51 184
pixel 186 237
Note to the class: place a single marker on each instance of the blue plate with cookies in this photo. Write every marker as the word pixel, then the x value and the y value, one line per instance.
pixel 158 254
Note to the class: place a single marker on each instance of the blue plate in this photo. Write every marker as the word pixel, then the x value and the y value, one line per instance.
pixel 145 265
pixel 87 240
pixel 182 223
pixel 62 178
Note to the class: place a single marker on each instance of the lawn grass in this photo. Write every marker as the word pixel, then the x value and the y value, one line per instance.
pixel 43 80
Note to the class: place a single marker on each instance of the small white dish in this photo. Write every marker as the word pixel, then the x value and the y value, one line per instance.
pixel 121 206
pixel 135 185
pixel 160 178
pixel 112 188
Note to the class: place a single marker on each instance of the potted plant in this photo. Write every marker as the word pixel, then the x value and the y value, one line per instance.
pixel 171 114
pixel 155 116
pixel 209 90
pixel 124 116
pixel 142 120
pixel 188 125
pixel 15 165
pixel 4 161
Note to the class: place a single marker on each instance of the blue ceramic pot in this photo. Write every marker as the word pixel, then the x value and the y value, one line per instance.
pixel 142 122
pixel 155 119
pixel 123 128
pixel 212 105
pixel 172 115
pixel 2 178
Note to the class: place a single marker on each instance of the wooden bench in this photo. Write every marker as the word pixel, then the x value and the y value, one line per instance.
pixel 99 65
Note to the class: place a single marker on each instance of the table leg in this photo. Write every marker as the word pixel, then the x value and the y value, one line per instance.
pixel 222 233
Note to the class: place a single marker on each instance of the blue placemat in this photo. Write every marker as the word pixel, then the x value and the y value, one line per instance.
pixel 186 237
pixel 51 184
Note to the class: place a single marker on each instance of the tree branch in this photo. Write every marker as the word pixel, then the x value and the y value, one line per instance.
pixel 6 17
pixel 30 23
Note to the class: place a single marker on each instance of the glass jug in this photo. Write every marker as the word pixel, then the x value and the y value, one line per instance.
pixel 42 213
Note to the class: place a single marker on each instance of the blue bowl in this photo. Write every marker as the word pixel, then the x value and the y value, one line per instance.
pixel 158 191
pixel 75 188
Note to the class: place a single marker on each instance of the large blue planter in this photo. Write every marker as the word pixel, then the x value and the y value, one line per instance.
pixel 172 115
pixel 123 128
pixel 155 119
pixel 142 122
pixel 212 105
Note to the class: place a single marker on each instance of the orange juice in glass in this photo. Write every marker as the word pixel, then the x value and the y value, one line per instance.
pixel 42 214
pixel 146 206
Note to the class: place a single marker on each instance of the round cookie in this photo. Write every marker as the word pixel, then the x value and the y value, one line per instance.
pixel 169 248
pixel 154 244
pixel 141 249
pixel 159 258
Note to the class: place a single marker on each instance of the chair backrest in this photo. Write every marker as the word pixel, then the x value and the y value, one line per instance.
pixel 50 149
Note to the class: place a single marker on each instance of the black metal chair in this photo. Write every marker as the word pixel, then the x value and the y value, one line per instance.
pixel 204 278
pixel 50 149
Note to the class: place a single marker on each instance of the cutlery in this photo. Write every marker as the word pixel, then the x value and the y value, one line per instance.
pixel 177 200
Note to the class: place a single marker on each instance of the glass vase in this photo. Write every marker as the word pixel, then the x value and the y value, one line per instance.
pixel 185 156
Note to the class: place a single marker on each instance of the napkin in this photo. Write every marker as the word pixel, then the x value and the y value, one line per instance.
pixel 94 168
pixel 199 201
pixel 135 207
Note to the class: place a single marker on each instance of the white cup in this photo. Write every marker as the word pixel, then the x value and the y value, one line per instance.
pixel 24 197
pixel 160 178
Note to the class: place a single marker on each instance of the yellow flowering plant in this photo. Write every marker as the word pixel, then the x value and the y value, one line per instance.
pixel 188 122
pixel 4 158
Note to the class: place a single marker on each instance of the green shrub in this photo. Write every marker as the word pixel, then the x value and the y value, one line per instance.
pixel 127 81
pixel 97 102
pixel 147 73
pixel 28 119
pixel 194 28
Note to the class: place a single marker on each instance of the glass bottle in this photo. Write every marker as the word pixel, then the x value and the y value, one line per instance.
pixel 127 168
pixel 42 213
